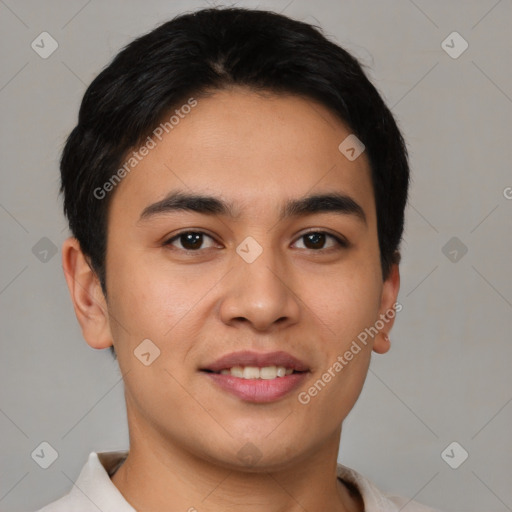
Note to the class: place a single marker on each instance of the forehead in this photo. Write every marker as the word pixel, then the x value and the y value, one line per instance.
pixel 252 150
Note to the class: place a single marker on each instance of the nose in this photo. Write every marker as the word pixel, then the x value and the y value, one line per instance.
pixel 260 294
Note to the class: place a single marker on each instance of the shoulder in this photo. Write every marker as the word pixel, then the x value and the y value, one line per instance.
pixel 93 490
pixel 407 505
pixel 376 500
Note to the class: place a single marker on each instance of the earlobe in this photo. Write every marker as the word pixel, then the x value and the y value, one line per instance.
pixel 387 311
pixel 382 343
pixel 87 296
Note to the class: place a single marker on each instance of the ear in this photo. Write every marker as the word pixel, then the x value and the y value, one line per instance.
pixel 87 296
pixel 389 296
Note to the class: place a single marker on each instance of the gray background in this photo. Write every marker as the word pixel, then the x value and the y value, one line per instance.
pixel 447 377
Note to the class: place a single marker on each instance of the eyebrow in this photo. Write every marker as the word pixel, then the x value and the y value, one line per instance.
pixel 209 205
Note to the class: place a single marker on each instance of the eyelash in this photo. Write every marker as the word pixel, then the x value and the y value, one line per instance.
pixel 341 242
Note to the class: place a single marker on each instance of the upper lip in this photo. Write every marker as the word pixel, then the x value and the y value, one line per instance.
pixel 260 360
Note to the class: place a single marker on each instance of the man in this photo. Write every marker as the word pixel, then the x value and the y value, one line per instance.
pixel 236 191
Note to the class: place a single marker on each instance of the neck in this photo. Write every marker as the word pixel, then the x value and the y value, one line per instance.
pixel 159 475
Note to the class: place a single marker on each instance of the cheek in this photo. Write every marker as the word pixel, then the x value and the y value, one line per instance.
pixel 345 300
pixel 145 301
pixel 349 304
pixel 159 302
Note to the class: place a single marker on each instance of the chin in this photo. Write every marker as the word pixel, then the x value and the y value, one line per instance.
pixel 258 455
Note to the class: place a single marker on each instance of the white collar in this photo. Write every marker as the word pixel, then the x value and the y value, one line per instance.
pixel 95 490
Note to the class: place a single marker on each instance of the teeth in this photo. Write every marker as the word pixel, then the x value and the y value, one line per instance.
pixel 237 371
pixel 269 372
pixel 253 372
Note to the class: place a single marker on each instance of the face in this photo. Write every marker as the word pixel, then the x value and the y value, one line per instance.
pixel 257 274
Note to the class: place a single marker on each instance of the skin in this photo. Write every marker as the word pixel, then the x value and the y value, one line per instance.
pixel 255 152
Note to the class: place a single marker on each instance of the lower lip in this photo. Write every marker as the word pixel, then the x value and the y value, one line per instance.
pixel 258 390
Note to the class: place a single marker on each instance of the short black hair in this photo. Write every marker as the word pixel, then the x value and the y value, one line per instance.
pixel 213 49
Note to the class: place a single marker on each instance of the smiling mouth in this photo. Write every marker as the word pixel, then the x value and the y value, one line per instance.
pixel 255 372
pixel 257 377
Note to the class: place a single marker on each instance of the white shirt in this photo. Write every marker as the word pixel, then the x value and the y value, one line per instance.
pixel 94 490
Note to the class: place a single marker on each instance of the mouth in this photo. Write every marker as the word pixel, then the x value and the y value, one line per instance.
pixel 255 377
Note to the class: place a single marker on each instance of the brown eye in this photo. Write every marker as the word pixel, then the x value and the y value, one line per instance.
pixel 317 240
pixel 189 240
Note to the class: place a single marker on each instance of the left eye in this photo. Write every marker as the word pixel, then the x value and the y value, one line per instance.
pixel 190 240
pixel 316 240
